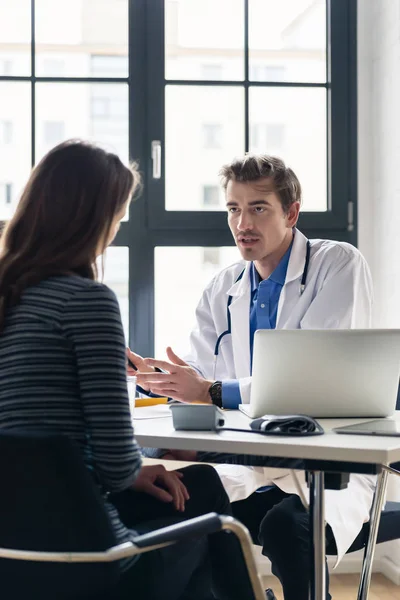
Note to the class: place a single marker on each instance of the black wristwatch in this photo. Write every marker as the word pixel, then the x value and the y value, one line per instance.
pixel 215 391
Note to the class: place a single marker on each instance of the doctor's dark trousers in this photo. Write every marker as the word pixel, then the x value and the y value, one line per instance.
pixel 280 524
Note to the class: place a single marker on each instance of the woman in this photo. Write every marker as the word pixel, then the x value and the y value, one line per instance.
pixel 62 352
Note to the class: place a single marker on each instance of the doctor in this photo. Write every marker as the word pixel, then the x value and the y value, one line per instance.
pixel 286 282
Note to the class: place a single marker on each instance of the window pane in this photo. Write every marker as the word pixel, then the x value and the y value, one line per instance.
pixel 116 276
pixel 291 123
pixel 68 110
pixel 82 38
pixel 204 39
pixel 15 143
pixel 187 271
pixel 287 40
pixel 204 129
pixel 15 37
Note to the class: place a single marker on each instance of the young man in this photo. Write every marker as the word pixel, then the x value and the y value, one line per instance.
pixel 275 287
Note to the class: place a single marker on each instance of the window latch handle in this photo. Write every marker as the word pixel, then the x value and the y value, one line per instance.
pixel 156 158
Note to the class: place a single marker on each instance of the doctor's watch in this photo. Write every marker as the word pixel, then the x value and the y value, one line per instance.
pixel 215 392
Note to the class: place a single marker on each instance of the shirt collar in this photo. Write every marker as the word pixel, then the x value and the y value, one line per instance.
pixel 277 276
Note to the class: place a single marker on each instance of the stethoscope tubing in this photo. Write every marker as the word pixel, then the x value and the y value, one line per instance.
pixel 228 331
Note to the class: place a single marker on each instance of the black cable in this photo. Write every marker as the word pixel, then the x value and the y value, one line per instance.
pixel 276 433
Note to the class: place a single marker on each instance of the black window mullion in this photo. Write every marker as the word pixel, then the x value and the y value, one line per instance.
pixel 342 79
pixel 156 106
pixel 134 233
pixel 353 129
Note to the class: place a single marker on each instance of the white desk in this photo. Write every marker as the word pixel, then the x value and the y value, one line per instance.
pixel 159 433
pixel 329 452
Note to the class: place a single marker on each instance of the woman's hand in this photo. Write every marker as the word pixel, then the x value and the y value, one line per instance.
pixel 164 485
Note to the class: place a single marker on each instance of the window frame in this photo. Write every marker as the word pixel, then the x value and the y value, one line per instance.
pixel 150 225
pixel 341 110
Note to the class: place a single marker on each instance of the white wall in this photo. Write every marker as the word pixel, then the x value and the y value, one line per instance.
pixel 378 178
pixel 379 152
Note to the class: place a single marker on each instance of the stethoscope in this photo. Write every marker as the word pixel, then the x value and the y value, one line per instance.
pixel 228 331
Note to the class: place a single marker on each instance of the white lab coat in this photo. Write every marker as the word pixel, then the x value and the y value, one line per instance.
pixel 338 295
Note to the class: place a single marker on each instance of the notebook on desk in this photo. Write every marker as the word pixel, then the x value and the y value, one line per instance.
pixel 325 373
pixel 386 427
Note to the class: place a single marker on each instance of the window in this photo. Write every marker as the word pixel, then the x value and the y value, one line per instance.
pixel 210 196
pixel 210 143
pixel 101 108
pixel 15 141
pixel 15 38
pixel 75 31
pixel 212 135
pixel 109 116
pixel 116 276
pixel 212 72
pixel 200 34
pixel 268 138
pixel 8 193
pixel 53 132
pixel 266 72
pixel 211 256
pixel 6 132
pixel 53 67
pixel 198 265
pixel 275 133
pixel 106 66
pixel 6 67
pixel 5 193
pixel 265 83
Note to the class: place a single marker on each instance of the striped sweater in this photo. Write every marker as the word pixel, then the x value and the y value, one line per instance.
pixel 62 356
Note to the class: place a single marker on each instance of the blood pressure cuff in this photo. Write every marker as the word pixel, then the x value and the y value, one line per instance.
pixel 296 425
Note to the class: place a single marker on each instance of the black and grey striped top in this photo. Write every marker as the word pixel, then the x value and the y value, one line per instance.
pixel 62 356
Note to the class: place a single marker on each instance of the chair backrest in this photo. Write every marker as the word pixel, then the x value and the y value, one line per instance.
pixel 397 465
pixel 49 501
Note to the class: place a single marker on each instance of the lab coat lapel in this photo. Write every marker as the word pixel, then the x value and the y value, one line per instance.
pixel 291 290
pixel 240 323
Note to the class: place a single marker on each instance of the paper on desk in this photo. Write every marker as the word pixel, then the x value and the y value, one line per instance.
pixel 151 412
pixel 240 482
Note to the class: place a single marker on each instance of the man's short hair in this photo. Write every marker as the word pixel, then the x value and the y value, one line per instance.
pixel 253 167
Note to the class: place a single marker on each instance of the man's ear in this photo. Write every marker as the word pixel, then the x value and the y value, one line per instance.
pixel 292 216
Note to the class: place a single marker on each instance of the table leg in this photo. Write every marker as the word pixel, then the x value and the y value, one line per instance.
pixel 369 551
pixel 317 530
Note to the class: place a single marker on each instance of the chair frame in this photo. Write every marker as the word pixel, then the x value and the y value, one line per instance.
pixel 210 523
pixel 375 517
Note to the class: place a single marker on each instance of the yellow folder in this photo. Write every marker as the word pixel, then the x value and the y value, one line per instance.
pixel 150 401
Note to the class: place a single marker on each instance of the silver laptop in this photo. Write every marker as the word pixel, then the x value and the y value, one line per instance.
pixel 325 373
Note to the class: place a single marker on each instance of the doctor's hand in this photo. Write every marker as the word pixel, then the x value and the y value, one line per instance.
pixel 181 382
pixel 139 363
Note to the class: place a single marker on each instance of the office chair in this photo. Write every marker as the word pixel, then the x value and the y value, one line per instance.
pixel 384 525
pixel 56 540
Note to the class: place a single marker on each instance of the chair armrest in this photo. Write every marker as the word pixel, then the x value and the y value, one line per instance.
pixel 209 523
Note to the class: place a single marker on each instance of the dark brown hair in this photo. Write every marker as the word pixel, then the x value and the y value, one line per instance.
pixel 253 167
pixel 64 217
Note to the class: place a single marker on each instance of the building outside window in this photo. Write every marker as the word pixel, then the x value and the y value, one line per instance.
pixel 6 132
pixel 6 190
pixel 211 196
pixel 212 135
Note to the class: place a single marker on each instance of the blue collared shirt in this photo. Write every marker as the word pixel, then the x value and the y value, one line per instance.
pixel 264 301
